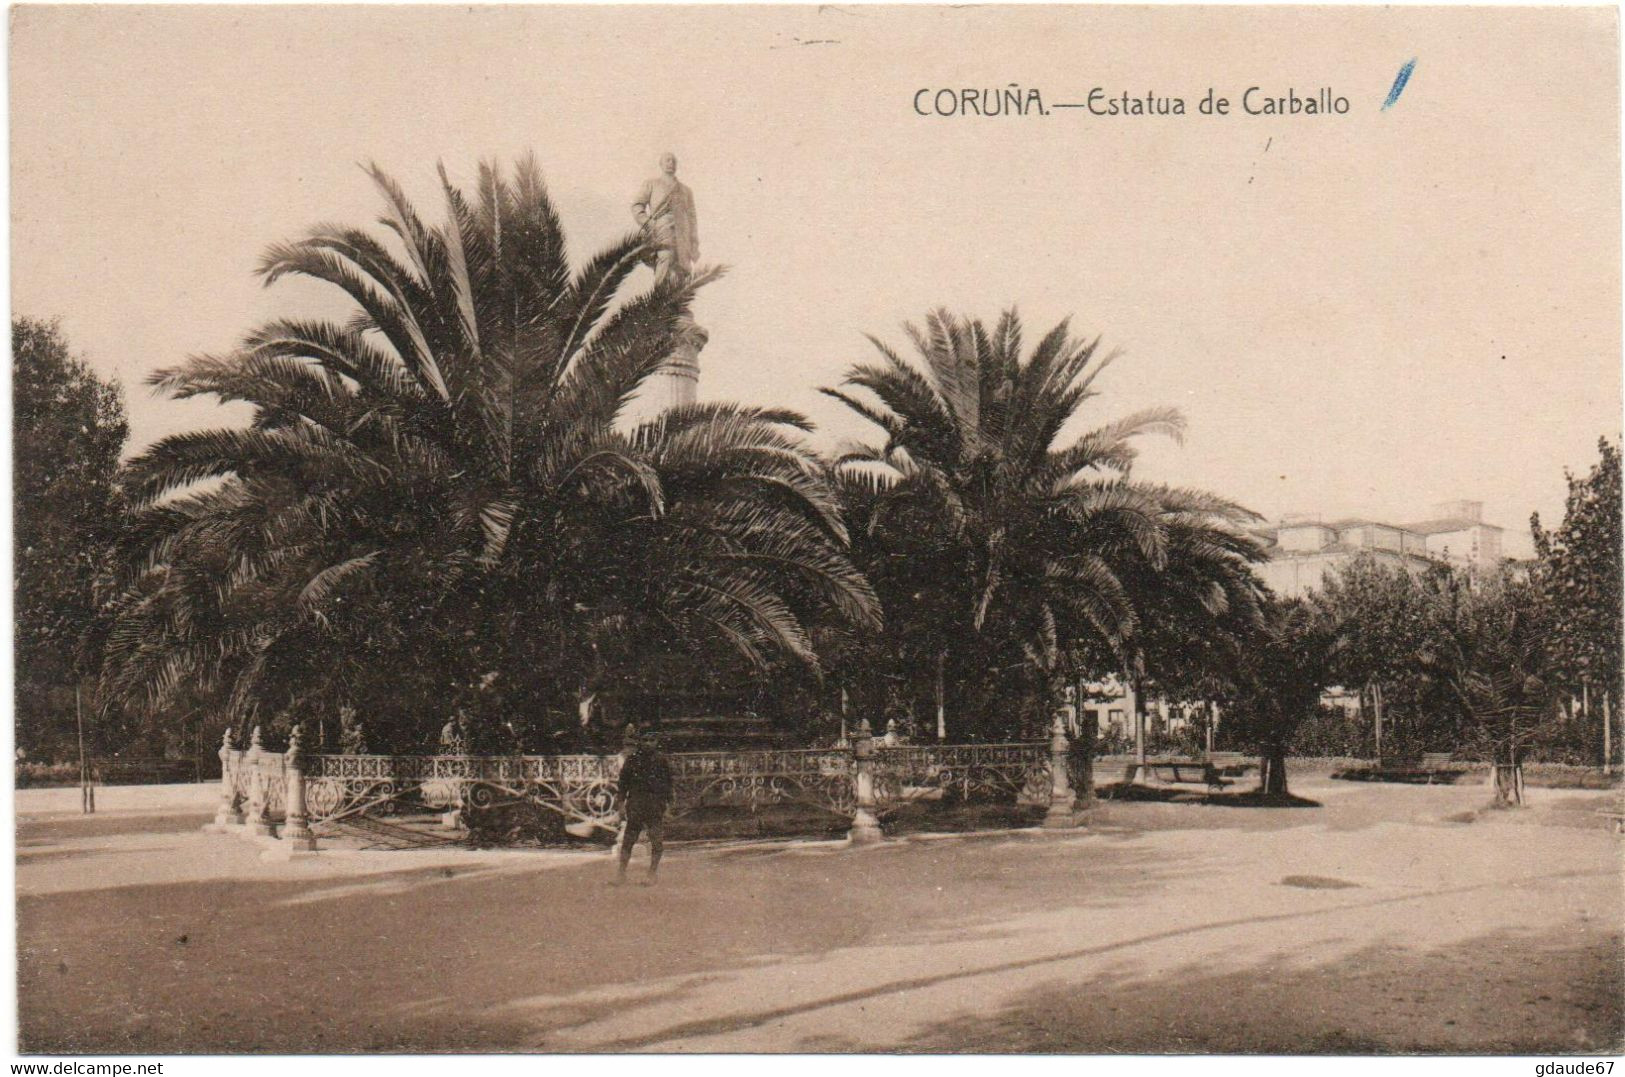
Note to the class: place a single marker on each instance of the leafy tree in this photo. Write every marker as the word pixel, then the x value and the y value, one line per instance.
pixel 435 508
pixel 1385 616
pixel 1578 573
pixel 1004 552
pixel 1493 658
pixel 68 430
pixel 1284 668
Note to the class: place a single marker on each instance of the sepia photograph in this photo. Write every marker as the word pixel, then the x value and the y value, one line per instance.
pixel 874 529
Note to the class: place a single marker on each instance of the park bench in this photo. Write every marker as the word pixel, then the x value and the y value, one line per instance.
pixel 1616 815
pixel 1436 764
pixel 1418 768
pixel 1232 764
pixel 1186 770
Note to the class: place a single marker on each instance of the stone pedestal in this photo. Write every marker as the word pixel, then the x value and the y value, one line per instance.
pixel 296 832
pixel 1061 799
pixel 229 812
pixel 865 829
pixel 259 818
pixel 678 382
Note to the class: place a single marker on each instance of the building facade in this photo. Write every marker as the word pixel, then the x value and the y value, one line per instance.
pixel 1305 549
pixel 1109 705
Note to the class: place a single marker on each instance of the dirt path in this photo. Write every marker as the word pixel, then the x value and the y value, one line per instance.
pixel 1368 924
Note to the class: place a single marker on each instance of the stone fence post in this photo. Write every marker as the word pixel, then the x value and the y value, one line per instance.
pixel 259 812
pixel 1061 798
pixel 865 827
pixel 296 832
pixel 230 811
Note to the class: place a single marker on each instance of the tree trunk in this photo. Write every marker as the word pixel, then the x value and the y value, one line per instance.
pixel 1136 708
pixel 1607 736
pixel 1272 771
pixel 1086 749
pixel 1083 749
pixel 1376 705
pixel 942 706
pixel 1508 785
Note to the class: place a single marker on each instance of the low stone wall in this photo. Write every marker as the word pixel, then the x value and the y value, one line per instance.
pixel 1566 775
pixel 1109 768
pixel 1328 764
pixel 103 772
pixel 1322 765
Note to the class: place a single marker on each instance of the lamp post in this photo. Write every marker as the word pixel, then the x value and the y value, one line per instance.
pixel 87 787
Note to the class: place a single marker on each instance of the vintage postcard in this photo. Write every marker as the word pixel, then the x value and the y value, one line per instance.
pixel 854 529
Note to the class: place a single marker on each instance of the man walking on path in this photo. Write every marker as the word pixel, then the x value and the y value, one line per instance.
pixel 643 794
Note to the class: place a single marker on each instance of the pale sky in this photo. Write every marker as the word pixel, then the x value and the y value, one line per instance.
pixel 1359 314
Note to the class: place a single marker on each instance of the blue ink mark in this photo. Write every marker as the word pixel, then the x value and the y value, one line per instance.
pixel 1400 80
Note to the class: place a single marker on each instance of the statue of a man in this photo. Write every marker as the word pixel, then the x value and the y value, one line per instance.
pixel 664 206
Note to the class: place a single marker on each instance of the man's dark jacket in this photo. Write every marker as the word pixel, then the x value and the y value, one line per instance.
pixel 645 780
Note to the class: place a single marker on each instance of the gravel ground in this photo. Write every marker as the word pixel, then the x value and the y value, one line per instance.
pixel 1387 918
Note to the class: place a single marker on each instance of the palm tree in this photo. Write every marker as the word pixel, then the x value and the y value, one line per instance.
pixel 435 502
pixel 996 543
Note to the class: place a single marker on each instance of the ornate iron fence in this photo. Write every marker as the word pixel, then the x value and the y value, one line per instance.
pixel 1019 772
pixel 579 787
pixel 340 785
pixel 815 778
pixel 856 782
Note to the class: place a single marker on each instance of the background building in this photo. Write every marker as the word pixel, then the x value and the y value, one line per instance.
pixel 1305 548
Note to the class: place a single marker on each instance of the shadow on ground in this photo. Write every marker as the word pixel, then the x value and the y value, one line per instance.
pixel 58 828
pixel 438 960
pixel 1121 960
pixel 1250 798
pixel 1549 993
pixel 515 953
